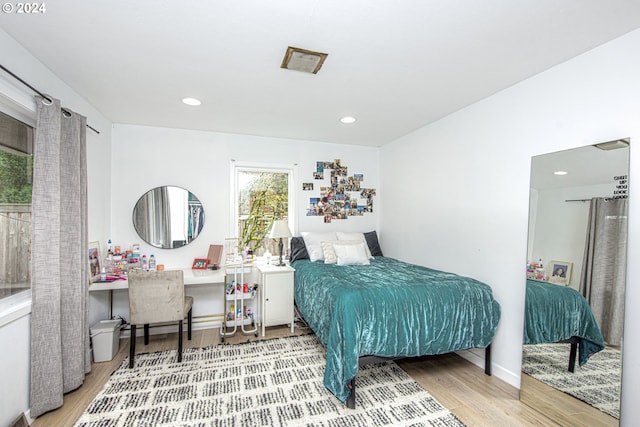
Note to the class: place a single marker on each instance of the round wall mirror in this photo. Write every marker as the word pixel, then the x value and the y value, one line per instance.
pixel 168 217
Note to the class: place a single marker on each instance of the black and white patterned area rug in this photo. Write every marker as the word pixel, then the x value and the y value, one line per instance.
pixel 276 382
pixel 597 382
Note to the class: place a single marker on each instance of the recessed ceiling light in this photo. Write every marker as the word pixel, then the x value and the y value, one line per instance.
pixel 191 101
pixel 560 172
pixel 348 119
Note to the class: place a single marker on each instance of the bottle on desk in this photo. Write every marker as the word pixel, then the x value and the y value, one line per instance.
pixel 145 263
pixel 152 263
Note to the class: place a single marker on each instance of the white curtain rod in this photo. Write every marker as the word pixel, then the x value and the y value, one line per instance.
pixel 48 98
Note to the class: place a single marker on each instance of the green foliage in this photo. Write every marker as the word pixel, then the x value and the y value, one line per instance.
pixel 264 200
pixel 15 178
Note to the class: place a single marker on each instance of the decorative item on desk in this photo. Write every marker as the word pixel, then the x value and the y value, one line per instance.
pixel 231 244
pixel 200 264
pixel 109 251
pixel 95 261
pixel 280 230
pixel 214 256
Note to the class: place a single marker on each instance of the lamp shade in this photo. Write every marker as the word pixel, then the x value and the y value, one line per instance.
pixel 280 229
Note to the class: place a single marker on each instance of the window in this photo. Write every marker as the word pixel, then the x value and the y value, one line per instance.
pixel 261 195
pixel 16 178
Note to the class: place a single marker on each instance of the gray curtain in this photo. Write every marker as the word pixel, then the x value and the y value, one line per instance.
pixel 604 265
pixel 60 355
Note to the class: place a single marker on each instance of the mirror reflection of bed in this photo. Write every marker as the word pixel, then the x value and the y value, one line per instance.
pixel 576 267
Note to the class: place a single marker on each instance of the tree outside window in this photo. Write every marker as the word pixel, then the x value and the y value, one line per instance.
pixel 263 197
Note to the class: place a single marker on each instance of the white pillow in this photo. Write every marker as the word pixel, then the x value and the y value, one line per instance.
pixel 312 240
pixel 351 254
pixel 330 253
pixel 355 236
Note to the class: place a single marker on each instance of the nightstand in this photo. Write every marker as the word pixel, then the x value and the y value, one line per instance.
pixel 276 291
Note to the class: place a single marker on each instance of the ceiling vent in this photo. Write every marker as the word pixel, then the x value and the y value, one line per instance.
pixel 303 60
pixel 613 145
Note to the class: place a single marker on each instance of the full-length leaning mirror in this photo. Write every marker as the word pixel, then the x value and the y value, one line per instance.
pixel 575 283
pixel 168 217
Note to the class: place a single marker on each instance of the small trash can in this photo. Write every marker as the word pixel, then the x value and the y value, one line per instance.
pixel 105 339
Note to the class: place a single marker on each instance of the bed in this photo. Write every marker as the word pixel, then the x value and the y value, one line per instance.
pixel 388 308
pixel 555 313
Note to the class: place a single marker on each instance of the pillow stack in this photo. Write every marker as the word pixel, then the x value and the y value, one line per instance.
pixel 337 248
pixel 313 242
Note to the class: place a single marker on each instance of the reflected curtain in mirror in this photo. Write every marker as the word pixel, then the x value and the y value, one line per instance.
pixel 604 267
pixel 168 217
pixel 152 217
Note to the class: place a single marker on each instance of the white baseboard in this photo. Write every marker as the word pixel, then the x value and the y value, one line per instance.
pixel 497 370
pixel 23 420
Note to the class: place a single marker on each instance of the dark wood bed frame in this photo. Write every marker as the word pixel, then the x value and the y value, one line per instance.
pixel 365 360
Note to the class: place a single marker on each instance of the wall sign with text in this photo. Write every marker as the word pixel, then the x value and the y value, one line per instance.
pixel 621 187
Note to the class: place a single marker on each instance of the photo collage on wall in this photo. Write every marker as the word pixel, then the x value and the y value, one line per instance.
pixel 343 197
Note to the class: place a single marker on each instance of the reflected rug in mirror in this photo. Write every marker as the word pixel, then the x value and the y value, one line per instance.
pixel 597 382
pixel 277 382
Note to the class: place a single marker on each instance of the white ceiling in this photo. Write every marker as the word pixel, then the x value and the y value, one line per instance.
pixel 585 166
pixel 394 65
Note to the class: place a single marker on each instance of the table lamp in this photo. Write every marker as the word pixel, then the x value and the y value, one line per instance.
pixel 280 230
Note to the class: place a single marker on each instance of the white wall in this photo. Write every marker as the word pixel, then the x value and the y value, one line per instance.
pixel 14 369
pixel 146 157
pixel 470 178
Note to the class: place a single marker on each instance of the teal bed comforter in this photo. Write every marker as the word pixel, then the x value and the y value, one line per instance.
pixel 556 313
pixel 390 309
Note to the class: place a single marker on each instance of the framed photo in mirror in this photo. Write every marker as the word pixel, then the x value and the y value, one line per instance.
pixel 560 272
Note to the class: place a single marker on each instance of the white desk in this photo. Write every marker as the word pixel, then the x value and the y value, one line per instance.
pixel 191 277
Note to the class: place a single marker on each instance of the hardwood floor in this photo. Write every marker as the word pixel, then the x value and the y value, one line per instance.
pixel 565 410
pixel 475 398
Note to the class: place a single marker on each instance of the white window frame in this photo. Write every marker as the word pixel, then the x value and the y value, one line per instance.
pixel 239 166
pixel 21 107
